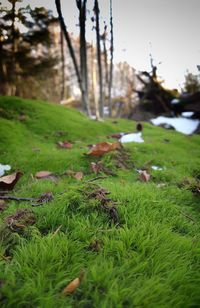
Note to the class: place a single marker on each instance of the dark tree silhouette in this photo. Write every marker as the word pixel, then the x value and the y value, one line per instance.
pixel 62 94
pixel 111 60
pixel 81 5
pixel 98 41
pixel 72 54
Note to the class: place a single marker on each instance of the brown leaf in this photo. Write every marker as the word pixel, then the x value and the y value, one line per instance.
pixel 3 205
pixel 72 286
pixel 104 147
pixel 21 219
pixel 116 136
pixel 144 176
pixel 44 198
pixel 96 167
pixel 43 174
pixel 64 144
pixel 22 117
pixel 8 182
pixel 78 175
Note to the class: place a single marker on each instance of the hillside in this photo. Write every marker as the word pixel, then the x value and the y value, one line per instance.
pixel 137 246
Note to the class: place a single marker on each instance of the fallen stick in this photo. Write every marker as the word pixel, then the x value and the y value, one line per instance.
pixel 17 198
pixel 97 178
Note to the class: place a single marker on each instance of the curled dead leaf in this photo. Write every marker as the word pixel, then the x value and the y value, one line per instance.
pixel 20 220
pixel 64 144
pixel 104 147
pixel 72 286
pixel 43 174
pixel 144 176
pixel 8 182
pixel 78 175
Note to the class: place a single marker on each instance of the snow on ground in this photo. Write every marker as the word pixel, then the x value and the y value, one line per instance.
pixel 182 125
pixel 134 137
pixel 156 168
pixel 4 168
pixel 187 114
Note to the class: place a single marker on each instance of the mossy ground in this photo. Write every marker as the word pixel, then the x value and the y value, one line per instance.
pixel 150 259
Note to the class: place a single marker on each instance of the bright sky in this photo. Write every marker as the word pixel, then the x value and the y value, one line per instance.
pixel 168 29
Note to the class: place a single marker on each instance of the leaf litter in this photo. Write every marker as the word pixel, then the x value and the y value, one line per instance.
pixel 20 220
pixel 105 203
pixel 102 148
pixel 9 181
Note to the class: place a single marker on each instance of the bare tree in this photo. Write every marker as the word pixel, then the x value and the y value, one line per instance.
pixel 105 54
pixel 62 94
pixel 81 5
pixel 94 83
pixel 111 60
pixel 98 39
pixel 72 54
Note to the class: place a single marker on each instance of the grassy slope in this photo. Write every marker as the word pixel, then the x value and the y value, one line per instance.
pixel 150 260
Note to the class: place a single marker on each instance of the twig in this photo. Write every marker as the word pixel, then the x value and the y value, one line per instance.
pixel 5 258
pixel 57 230
pixel 97 178
pixel 2 192
pixel 187 216
pixel 17 198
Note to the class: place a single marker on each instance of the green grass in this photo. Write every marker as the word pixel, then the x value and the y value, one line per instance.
pixel 150 259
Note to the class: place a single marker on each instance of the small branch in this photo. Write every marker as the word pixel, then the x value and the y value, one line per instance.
pixel 56 231
pixel 17 198
pixel 97 178
pixel 3 192
pixel 187 216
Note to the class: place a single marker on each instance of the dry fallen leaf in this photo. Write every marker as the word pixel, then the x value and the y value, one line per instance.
pixel 104 147
pixel 96 167
pixel 43 174
pixel 20 220
pixel 8 182
pixel 116 136
pixel 64 144
pixel 71 287
pixel 3 205
pixel 78 175
pixel 144 176
pixel 44 198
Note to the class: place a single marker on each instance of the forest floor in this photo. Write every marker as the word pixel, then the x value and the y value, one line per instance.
pixel 131 243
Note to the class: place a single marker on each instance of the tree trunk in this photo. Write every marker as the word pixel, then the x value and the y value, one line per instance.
pixel 83 53
pixel 71 51
pixel 94 83
pixel 111 61
pixel 62 94
pixel 14 47
pixel 106 83
pixel 101 102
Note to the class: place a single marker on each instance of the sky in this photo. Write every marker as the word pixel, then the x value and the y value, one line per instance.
pixel 169 30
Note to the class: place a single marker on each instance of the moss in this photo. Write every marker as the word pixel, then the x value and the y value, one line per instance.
pixel 151 259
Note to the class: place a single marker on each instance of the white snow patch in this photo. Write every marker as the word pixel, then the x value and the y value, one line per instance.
pixel 156 168
pixel 182 125
pixel 106 110
pixel 175 101
pixel 4 168
pixel 187 114
pixel 135 137
pixel 93 117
